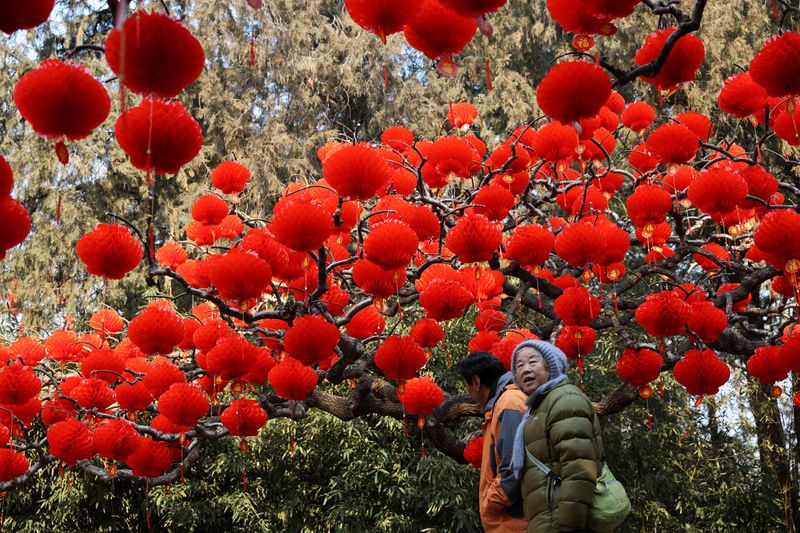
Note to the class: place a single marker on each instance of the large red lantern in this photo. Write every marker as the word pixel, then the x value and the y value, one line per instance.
pixel 93 394
pixel 109 251
pixel 776 66
pixel 741 96
pixel 375 281
pixel 183 404
pixel 420 397
pixel 399 357
pixel 474 238
pixel 16 15
pixel 116 439
pixel 382 17
pixel 292 380
pixel 71 441
pixel 707 321
pixel 159 136
pixel 62 100
pixel 151 459
pixel 638 116
pixel 230 177
pixel 106 323
pixel 427 332
pixel 768 366
pixel 672 144
pixel 681 64
pixel 239 276
pixel 717 190
pixel 576 306
pixel 311 339
pixel 356 172
pixel 366 323
pixel 12 464
pixel 572 90
pixel 701 372
pixel 639 367
pixel 154 54
pixel 663 314
pixel 445 299
pixel 156 331
pixel 301 225
pixel 244 417
pixel 648 205
pixel 440 33
pixel 530 245
pixel 231 358
pixel 18 384
pixel 391 244
pixel 576 341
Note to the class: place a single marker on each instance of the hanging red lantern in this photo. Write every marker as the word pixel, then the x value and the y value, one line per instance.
pixel 717 190
pixel 399 357
pixel 474 238
pixel 262 242
pixel 366 323
pixel 244 417
pixel 741 96
pixel 760 184
pixel 16 16
pixel 445 299
pixel 183 404
pixel 556 142
pixel 311 339
pixel 701 372
pixel 576 341
pixel 638 116
pixel 63 345
pixel 426 332
pixel 778 235
pixel 440 33
pixel 230 177
pixel 509 157
pixel 209 209
pixel 151 459
pixel 115 439
pixel 398 138
pixel 356 171
pixel 109 251
pixel 663 314
pixel 156 331
pixel 576 244
pixel 292 380
pixel 612 243
pixel 301 225
pixel 62 100
pixel 382 17
pixel 133 397
pixel 473 451
pixel 707 321
pixel 572 90
pixel 421 396
pixel 681 64
pixel 375 281
pixel 206 336
pixel 775 66
pixel 483 341
pixel 530 245
pixel 493 202
pixel 640 367
pixel 462 114
pixel 239 276
pixel 231 358
pixel 259 371
pixel 93 394
pixel 786 127
pixel 154 54
pixel 159 136
pixel 18 384
pixel 578 17
pixel 15 224
pixel 335 300
pixel 648 205
pixel 699 124
pixel 106 323
pixel 672 144
pixel 71 441
pixel 576 306
pixel 641 159
pixel 391 244
pixel 171 255
pixel 447 159
pixel 768 366
pixel 12 463
pixel 103 364
pixel 490 320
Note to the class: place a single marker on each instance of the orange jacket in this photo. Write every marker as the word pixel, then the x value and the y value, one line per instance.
pixel 499 493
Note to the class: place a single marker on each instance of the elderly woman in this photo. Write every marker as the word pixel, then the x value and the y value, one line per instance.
pixel 561 430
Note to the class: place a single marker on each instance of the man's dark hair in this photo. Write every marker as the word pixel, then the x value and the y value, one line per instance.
pixel 484 365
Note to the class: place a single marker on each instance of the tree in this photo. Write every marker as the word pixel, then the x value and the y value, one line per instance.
pixel 467 232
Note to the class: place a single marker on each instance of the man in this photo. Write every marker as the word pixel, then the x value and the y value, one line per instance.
pixel 503 405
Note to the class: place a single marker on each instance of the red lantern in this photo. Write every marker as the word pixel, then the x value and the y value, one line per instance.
pixel 292 380
pixel 775 66
pixel 109 251
pixel 115 439
pixel 366 323
pixel 717 251
pixel 778 235
pixel 106 323
pixel 483 341
pixel 490 320
pixel 421 396
pixel 230 177
pixel 648 205
pixel 151 459
pixel 445 299
pixel 699 124
pixel 473 451
pixel 103 364
pixel 530 245
pixel 493 202
pixel 231 358
pixel 244 417
pixel 71 441
pixel 638 116
pixel 24 16
pixel 159 136
pixel 62 100
pixel 462 114
pixel 183 404
pixel 741 96
pixel 391 244
pixel 156 331
pixel 556 142
pixel 474 238
pixel 15 224
pixel 707 321
pixel 767 365
pixel 18 384
pixel 12 463
pixel 663 314
pixel 382 17
pixel 29 350
pixel 717 190
pixel 576 341
pixel 375 281
pixel 681 64
pixel 311 339
pixel 209 209
pixel 440 33
pixel 171 255
pixel 672 144
pixel 786 126
pixel 639 367
pixel 573 90
pixel 356 172
pixel 63 345
pixel 427 332
pixel 154 54
pixel 701 372
pixel 239 276
pixel 133 397
pixel 447 159
pixel 301 225
pixel 399 358
pixel 576 306
pixel 398 138
pixel 641 159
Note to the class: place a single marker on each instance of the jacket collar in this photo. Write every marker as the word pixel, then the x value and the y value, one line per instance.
pixel 501 384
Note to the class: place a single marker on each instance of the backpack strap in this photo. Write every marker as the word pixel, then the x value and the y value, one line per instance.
pixel 543 467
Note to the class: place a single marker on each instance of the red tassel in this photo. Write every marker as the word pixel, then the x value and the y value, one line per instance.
pixel 244 480
pixel 252 51
pixel 649 422
pixel 685 434
pixel 698 401
pixel 488 74
pixel 62 153
pixel 775 10
pixel 58 210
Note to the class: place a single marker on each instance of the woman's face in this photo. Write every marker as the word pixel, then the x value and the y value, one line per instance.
pixel 531 371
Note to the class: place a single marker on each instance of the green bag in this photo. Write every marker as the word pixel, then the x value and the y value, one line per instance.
pixel 610 504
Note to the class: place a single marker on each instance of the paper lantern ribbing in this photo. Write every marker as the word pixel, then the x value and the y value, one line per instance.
pixel 183 404
pixel 572 90
pixel 292 380
pixel 109 251
pixel 399 357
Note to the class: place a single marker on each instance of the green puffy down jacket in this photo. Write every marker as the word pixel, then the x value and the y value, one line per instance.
pixel 564 433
